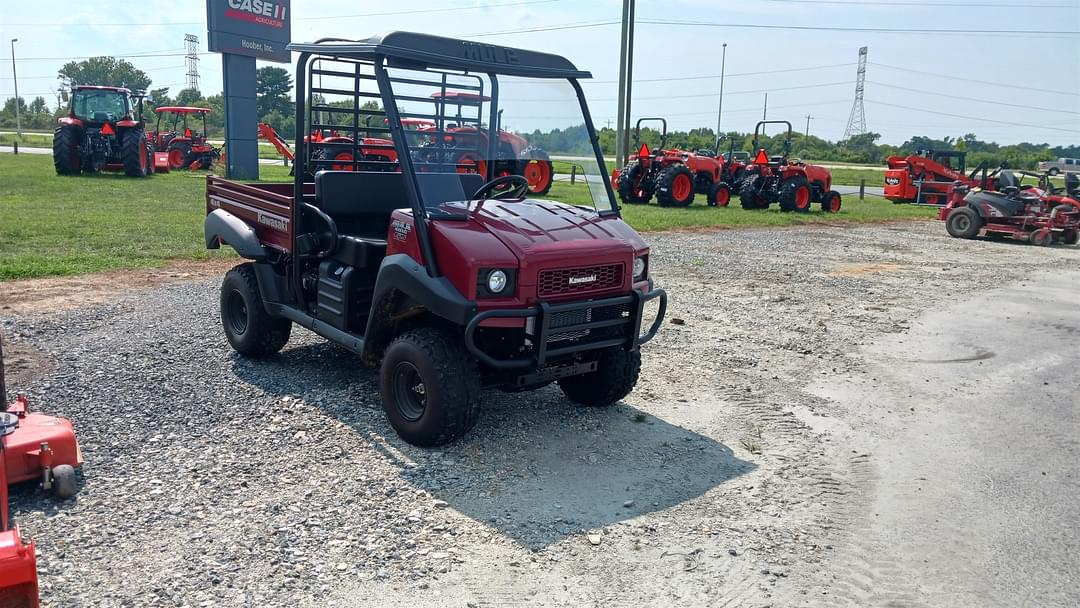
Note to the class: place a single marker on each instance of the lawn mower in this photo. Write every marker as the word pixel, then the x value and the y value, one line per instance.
pixel 794 184
pixel 180 147
pixel 102 132
pixel 926 177
pixel 1037 214
pixel 673 175
pixel 32 447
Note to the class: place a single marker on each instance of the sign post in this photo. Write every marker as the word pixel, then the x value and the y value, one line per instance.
pixel 243 31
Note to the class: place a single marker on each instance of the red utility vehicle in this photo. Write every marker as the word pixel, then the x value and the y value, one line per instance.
pixel 180 147
pixel 926 177
pixel 103 131
pixel 672 175
pixel 450 281
pixel 794 184
pixel 1038 214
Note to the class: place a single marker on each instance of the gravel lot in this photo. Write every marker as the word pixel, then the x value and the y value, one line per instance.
pixel 216 481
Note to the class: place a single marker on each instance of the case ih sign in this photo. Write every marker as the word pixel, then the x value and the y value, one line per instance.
pixel 256 28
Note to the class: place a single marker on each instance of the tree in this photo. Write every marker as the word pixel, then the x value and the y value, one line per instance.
pixel 188 97
pixel 272 87
pixel 38 106
pixel 105 71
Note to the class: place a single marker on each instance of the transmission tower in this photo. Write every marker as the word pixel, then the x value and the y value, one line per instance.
pixel 191 41
pixel 856 123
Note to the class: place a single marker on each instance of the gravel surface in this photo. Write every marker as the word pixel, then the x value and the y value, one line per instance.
pixel 216 481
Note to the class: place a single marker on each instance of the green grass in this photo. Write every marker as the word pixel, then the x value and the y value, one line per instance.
pixel 54 225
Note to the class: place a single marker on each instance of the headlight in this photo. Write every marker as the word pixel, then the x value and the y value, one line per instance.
pixel 639 268
pixel 496 281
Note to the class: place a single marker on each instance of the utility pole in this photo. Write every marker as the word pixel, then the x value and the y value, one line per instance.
pixel 808 117
pixel 856 124
pixel 626 75
pixel 15 77
pixel 191 42
pixel 720 106
pixel 765 112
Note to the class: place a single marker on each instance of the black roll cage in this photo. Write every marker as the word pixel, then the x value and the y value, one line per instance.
pixel 382 55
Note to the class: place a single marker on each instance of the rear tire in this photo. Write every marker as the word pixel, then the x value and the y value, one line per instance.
pixel 430 387
pixel 179 155
pixel 748 194
pixel 796 195
pixel 964 223
pixel 675 187
pixel 67 153
pixel 631 190
pixel 616 374
pixel 133 152
pixel 251 331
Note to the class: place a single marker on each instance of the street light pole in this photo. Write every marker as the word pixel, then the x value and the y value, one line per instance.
pixel 720 106
pixel 15 77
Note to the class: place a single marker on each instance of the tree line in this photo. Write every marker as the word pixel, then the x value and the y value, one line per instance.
pixel 274 105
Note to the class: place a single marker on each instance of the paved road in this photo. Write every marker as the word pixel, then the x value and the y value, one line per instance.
pixel 974 484
pixel 849 191
pixel 46 151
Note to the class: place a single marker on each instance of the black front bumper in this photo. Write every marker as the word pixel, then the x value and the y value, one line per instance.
pixel 566 329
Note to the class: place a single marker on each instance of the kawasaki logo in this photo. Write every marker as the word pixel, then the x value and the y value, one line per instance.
pixel 263 12
pixel 585 279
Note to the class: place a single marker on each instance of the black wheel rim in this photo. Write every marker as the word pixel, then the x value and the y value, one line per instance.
pixel 236 313
pixel 410 394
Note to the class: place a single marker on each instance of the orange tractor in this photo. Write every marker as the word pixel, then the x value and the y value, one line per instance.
pixel 179 146
pixel 672 175
pixel 792 183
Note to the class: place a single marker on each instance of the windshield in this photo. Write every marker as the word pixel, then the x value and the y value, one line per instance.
pixel 477 126
pixel 99 106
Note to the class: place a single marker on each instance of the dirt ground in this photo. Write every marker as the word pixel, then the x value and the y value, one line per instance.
pixel 846 416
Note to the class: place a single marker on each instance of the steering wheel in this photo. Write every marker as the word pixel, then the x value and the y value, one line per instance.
pixel 519 187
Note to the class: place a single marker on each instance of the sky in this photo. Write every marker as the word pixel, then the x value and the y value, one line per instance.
pixel 1005 87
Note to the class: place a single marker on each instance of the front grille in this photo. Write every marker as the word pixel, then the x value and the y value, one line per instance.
pixel 563 325
pixel 561 281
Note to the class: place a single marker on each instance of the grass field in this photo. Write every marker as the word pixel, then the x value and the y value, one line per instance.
pixel 52 225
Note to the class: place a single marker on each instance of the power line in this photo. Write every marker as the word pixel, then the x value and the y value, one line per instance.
pixel 693 96
pixel 877 30
pixel 983 82
pixel 716 76
pixel 1000 122
pixel 546 28
pixel 976 99
pixel 933 4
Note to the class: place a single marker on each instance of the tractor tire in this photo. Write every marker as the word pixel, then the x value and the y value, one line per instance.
pixel 1042 237
pixel 251 331
pixel 748 194
pixel 1070 236
pixel 179 155
pixel 133 152
pixel 631 191
pixel 616 374
pixel 964 223
pixel 536 167
pixel 796 195
pixel 831 201
pixel 67 152
pixel 720 195
pixel 430 387
pixel 675 187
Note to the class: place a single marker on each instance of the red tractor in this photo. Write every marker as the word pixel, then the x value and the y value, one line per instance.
pixel 180 147
pixel 925 178
pixel 672 175
pixel 1037 214
pixel 103 131
pixel 792 183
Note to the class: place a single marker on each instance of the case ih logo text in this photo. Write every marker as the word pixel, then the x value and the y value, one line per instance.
pixel 263 12
pixel 488 53
pixel 591 278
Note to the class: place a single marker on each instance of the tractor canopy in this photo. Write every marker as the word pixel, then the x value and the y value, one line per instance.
pixel 182 110
pixel 423 105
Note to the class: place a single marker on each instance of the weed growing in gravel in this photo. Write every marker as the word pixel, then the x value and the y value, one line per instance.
pixel 753 440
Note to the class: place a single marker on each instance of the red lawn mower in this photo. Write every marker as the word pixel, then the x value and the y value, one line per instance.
pixel 180 147
pixel 103 131
pixel 794 184
pixel 32 447
pixel 1037 214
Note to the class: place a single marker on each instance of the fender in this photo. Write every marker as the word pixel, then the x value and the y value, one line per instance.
pixel 66 121
pixel 223 227
pixel 128 123
pixel 403 283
